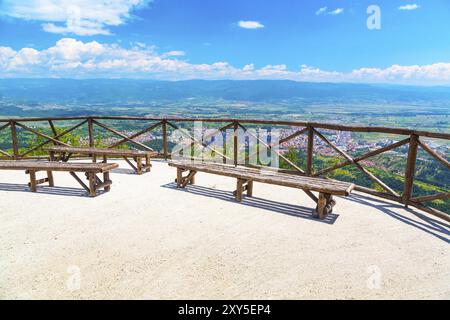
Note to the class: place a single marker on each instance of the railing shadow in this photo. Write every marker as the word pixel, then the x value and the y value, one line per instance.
pixel 58 191
pixel 255 202
pixel 434 227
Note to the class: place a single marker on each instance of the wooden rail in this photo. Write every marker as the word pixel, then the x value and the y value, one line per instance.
pixel 312 130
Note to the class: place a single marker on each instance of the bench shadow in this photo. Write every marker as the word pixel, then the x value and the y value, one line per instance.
pixel 59 191
pixel 123 171
pixel 434 227
pixel 255 202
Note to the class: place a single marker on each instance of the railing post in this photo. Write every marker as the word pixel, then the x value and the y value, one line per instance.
pixel 235 142
pixel 164 136
pixel 410 169
pixel 309 151
pixel 15 145
pixel 91 133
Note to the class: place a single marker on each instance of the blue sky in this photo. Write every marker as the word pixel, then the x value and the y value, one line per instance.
pixel 320 40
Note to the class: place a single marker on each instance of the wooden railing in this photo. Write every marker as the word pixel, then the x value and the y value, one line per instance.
pixel 414 139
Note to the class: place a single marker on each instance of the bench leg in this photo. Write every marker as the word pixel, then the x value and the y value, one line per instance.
pixel 51 182
pixel 179 179
pixel 325 204
pixel 106 180
pixel 105 159
pixel 239 189
pixel 321 204
pixel 32 181
pixel 148 164
pixel 250 188
pixel 242 186
pixel 92 186
pixel 139 165
pixel 52 156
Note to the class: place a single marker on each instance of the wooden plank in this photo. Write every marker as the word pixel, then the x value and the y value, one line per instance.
pixel 195 140
pixel 379 194
pixel 57 166
pixel 292 136
pixel 102 151
pixel 137 134
pixel 266 172
pixel 91 133
pixel 41 134
pixel 350 160
pixel 381 150
pixel 51 181
pixel 106 179
pixel 55 133
pixel 332 168
pixel 410 169
pixel 436 155
pixel 239 189
pixel 40 181
pixel 276 151
pixel 6 125
pixel 32 183
pixel 120 134
pixel 85 187
pixel 377 180
pixel 443 195
pixel 432 211
pixel 131 164
pixel 92 184
pixel 179 178
pixel 361 157
pixel 14 139
pixel 164 136
pixel 6 154
pixel 334 147
pixel 309 152
pixel 188 178
pixel 56 137
pixel 389 130
pixel 321 204
pixel 300 182
pixel 250 188
pixel 235 142
pixel 139 165
pixel 212 134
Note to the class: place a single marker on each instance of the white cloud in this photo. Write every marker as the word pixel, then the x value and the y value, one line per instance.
pixel 409 7
pixel 325 11
pixel 77 59
pixel 250 24
pixel 80 17
pixel 336 11
pixel 175 53
pixel 321 11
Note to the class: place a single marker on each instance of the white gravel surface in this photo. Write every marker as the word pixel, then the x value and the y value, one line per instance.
pixel 147 240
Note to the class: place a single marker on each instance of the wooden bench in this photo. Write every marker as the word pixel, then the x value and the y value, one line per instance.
pixel 66 152
pixel 246 176
pixel 90 169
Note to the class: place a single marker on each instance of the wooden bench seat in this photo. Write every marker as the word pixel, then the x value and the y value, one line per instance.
pixel 90 169
pixel 66 152
pixel 246 176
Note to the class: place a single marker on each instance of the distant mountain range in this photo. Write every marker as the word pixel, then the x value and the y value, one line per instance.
pixel 125 90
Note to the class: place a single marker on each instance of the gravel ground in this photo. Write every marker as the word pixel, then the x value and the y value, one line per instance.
pixel 147 240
